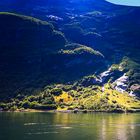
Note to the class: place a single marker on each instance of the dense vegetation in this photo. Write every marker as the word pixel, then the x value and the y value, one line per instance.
pixel 35 55
pixel 72 97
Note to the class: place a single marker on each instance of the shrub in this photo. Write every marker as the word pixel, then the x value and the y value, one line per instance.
pixel 49 100
pixel 26 104
pixel 32 98
pixel 20 96
pixel 56 91
pixel 14 108
pixel 46 107
pixel 114 102
pixel 33 104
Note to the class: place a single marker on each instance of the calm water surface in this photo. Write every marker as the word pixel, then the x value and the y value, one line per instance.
pixel 61 126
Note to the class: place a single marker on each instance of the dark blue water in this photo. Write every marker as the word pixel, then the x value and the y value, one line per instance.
pixel 57 126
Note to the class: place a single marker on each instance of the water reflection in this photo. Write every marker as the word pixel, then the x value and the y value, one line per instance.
pixel 121 127
pixel 54 126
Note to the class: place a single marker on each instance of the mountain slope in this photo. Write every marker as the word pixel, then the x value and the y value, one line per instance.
pixel 84 46
pixel 32 55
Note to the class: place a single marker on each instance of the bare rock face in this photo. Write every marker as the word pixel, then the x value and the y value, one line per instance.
pixel 121 84
pixel 110 75
pixel 135 89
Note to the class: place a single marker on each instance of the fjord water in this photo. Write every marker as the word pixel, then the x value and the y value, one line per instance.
pixel 63 126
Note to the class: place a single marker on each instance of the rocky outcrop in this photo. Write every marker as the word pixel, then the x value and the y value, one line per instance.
pixel 110 75
pixel 103 78
pixel 135 90
pixel 121 84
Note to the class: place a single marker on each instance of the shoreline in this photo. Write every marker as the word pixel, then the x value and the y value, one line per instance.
pixel 72 111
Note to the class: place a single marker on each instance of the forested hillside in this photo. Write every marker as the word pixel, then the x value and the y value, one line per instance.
pixel 65 55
